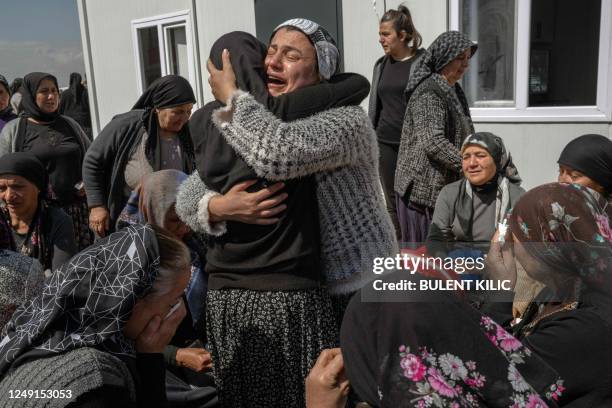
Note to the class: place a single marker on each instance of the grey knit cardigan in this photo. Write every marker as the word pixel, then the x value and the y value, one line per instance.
pixel 339 147
pixel 81 370
pixel 435 125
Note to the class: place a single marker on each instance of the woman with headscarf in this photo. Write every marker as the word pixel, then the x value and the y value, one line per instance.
pixel 444 353
pixel 38 230
pixel 6 110
pixel 60 144
pixel 152 136
pixel 587 160
pixel 74 103
pixel 470 209
pixel 270 269
pixel 437 121
pixel 99 329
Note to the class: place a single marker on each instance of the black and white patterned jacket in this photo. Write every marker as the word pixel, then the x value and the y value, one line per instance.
pixel 437 121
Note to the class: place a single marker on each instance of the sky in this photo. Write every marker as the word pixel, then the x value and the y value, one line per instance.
pixel 40 35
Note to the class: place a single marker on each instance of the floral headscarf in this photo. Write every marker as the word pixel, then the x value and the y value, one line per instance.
pixel 572 227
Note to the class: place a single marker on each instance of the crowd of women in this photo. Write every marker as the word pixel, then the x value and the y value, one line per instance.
pixel 215 259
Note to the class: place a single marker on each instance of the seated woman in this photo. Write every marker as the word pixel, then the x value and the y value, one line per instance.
pixel 99 329
pixel 37 230
pixel 445 353
pixel 587 160
pixel 21 279
pixel 154 203
pixel 470 209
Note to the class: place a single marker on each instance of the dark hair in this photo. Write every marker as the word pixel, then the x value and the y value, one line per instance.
pixel 402 21
pixel 15 85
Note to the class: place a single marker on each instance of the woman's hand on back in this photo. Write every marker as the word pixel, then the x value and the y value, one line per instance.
pixel 260 207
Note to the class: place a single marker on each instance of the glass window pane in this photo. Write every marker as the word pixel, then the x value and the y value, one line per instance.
pixel 178 62
pixel 489 80
pixel 564 52
pixel 149 55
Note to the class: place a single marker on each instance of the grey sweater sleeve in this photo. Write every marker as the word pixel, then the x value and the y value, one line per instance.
pixel 441 228
pixel 62 237
pixel 7 136
pixel 278 150
pixel 192 206
pixel 430 124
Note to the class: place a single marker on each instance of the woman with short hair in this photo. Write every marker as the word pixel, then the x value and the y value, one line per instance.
pixel 437 121
pixel 37 229
pixel 60 144
pixel 99 329
pixel 152 136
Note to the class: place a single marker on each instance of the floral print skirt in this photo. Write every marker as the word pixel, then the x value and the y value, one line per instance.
pixel 264 343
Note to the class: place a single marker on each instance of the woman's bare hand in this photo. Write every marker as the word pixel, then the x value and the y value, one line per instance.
pixel 99 220
pixel 158 332
pixel 326 384
pixel 260 207
pixel 196 359
pixel 222 82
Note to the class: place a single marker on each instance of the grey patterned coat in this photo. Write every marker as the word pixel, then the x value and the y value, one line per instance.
pixel 437 121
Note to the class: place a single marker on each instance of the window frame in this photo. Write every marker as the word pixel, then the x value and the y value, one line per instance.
pixel 161 22
pixel 521 112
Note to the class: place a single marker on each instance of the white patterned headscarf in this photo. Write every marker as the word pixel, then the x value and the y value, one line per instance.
pixel 328 56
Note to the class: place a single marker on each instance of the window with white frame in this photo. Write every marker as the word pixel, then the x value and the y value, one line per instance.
pixel 538 60
pixel 163 47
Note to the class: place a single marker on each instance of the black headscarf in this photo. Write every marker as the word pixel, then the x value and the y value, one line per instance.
pixel 16 84
pixel 31 82
pixel 36 243
pixel 217 162
pixel 6 114
pixel 592 156
pixel 166 92
pixel 87 301
pixel 26 165
pixel 76 87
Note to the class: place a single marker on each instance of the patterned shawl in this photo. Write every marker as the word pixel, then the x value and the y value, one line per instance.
pixel 567 227
pixel 87 301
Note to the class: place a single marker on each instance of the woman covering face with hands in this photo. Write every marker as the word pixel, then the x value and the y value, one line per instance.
pixel 102 323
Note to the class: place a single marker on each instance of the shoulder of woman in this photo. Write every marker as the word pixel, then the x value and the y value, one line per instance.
pixel 10 129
